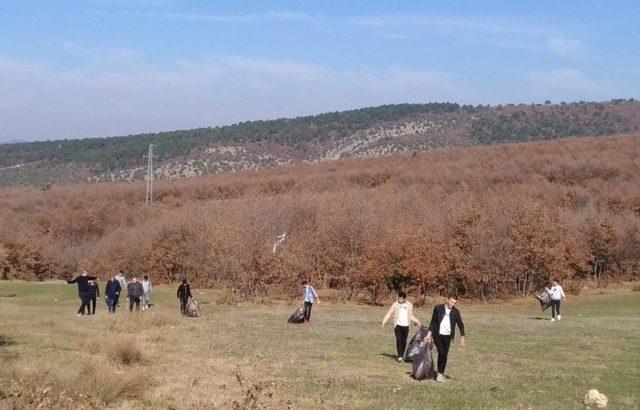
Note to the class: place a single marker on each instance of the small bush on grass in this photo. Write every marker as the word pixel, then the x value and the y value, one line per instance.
pixel 103 382
pixel 123 350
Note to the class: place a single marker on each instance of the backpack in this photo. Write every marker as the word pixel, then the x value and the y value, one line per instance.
pixel 193 308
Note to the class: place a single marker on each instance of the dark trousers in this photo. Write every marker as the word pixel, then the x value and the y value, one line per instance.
pixel 555 308
pixel 111 303
pixel 134 300
pixel 442 344
pixel 92 299
pixel 402 332
pixel 84 302
pixel 183 305
pixel 307 311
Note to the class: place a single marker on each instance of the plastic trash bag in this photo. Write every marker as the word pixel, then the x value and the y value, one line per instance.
pixel 423 363
pixel 544 299
pixel 413 348
pixel 193 308
pixel 297 316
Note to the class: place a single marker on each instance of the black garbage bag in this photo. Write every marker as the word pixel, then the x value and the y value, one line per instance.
pixel 423 363
pixel 413 348
pixel 544 299
pixel 297 316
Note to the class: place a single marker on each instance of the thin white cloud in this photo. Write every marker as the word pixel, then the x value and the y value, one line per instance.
pixel 272 17
pixel 566 47
pixel 109 99
pixel 396 36
pixel 567 84
pixel 467 24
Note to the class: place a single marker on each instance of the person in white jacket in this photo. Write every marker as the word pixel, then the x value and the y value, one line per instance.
pixel 556 294
pixel 146 288
pixel 402 311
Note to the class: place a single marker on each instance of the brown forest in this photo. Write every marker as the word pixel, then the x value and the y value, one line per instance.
pixel 483 222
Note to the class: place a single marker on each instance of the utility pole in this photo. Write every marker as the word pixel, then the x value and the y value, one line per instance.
pixel 149 200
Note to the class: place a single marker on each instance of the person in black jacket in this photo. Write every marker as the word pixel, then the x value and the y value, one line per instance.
pixel 442 330
pixel 135 292
pixel 83 290
pixel 111 293
pixel 94 295
pixel 184 293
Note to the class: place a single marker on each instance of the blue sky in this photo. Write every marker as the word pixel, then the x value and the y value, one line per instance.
pixel 73 69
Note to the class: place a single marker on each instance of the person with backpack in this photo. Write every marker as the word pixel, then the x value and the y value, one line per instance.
pixel 442 331
pixel 402 311
pixel 94 295
pixel 83 290
pixel 111 292
pixel 184 293
pixel 556 294
pixel 147 287
pixel 309 296
pixel 135 292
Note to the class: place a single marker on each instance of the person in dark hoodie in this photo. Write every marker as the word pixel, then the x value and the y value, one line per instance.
pixel 84 290
pixel 135 292
pixel 442 330
pixel 111 293
pixel 184 293
pixel 94 295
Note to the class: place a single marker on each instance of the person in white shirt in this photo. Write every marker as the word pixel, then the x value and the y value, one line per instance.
pixel 402 311
pixel 556 294
pixel 146 288
pixel 123 285
pixel 442 331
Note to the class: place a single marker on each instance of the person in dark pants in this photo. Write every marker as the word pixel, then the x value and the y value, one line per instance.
pixel 184 293
pixel 556 294
pixel 442 330
pixel 94 295
pixel 111 292
pixel 309 296
pixel 83 290
pixel 135 292
pixel 402 311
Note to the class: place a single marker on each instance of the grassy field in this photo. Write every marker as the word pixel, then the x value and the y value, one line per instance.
pixel 248 357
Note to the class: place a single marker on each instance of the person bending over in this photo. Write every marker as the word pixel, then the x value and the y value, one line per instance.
pixel 83 290
pixel 442 331
pixel 402 311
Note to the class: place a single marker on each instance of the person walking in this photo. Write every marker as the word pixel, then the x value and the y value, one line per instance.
pixel 309 296
pixel 556 294
pixel 184 293
pixel 111 292
pixel 123 284
pixel 402 311
pixel 135 292
pixel 147 287
pixel 94 295
pixel 83 290
pixel 442 330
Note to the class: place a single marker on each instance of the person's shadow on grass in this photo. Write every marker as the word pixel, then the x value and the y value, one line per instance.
pixel 538 318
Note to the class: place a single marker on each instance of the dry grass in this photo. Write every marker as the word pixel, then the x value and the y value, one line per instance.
pixel 248 357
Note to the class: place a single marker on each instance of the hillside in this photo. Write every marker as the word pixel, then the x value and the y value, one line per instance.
pixel 486 222
pixel 367 132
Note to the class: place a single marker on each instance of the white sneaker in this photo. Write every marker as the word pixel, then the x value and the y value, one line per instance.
pixel 440 378
pixel 553 320
pixel 400 360
pixel 559 317
pixel 78 314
